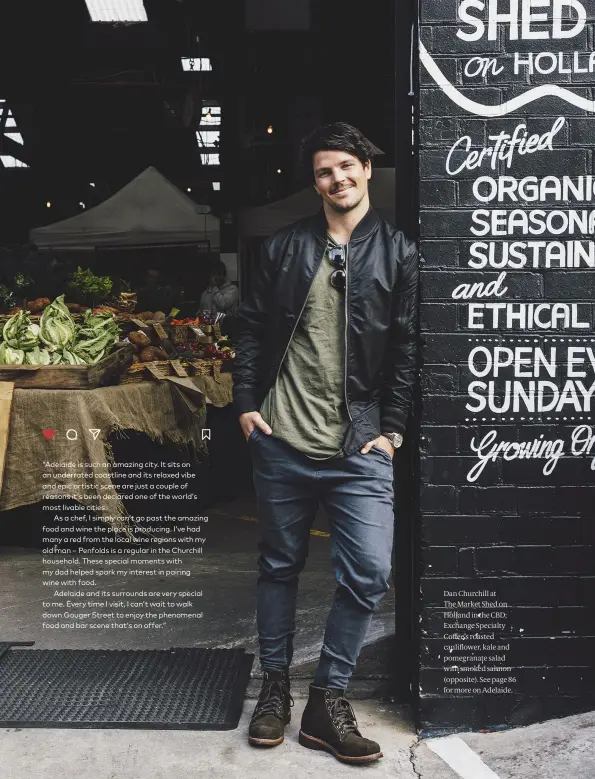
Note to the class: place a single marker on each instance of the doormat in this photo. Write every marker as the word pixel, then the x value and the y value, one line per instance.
pixel 170 689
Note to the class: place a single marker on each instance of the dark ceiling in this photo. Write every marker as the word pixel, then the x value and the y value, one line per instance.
pixel 98 102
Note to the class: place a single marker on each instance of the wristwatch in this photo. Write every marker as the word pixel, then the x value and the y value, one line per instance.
pixel 396 439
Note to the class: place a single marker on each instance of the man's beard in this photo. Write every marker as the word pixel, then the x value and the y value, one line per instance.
pixel 344 209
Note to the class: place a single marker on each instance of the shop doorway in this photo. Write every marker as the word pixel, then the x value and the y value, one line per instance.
pixel 132 102
pixel 388 659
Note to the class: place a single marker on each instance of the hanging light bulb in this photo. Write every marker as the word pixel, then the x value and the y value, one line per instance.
pixel 91 184
pixel 270 129
pixel 279 170
pixel 189 189
pixel 48 204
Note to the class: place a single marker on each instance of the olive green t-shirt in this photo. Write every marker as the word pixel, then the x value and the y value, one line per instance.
pixel 306 405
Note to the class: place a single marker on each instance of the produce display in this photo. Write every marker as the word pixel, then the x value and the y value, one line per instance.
pixel 100 313
pixel 187 321
pixel 221 350
pixel 58 339
pixel 88 287
pixel 144 348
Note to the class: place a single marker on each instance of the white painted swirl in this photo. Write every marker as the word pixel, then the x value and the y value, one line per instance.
pixel 546 90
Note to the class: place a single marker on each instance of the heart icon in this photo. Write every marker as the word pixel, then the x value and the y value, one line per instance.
pixel 49 433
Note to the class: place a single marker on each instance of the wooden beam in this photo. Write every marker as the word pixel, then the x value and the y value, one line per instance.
pixel 6 392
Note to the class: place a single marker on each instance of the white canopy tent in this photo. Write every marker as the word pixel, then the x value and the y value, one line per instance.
pixel 149 211
pixel 265 220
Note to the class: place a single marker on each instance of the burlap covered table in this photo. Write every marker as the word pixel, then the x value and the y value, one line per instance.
pixel 154 408
pixel 217 390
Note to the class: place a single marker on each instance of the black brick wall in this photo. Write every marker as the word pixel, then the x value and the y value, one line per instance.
pixel 525 535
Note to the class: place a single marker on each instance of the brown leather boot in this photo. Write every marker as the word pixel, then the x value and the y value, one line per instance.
pixel 329 723
pixel 273 710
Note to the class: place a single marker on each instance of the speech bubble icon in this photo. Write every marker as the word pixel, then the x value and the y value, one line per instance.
pixel 72 437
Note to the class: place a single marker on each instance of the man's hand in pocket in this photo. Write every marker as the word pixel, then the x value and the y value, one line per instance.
pixel 252 419
pixel 382 442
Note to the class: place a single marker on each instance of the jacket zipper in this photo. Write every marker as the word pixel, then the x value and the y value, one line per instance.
pixel 346 326
pixel 297 321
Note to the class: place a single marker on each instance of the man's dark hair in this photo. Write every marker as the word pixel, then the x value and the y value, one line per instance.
pixel 338 136
pixel 218 267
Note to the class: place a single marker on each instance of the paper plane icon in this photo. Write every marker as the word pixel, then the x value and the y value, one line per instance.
pixel 94 432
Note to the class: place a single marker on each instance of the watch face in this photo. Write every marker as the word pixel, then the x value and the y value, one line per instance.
pixel 396 439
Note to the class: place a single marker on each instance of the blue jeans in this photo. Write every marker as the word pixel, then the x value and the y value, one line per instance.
pixel 357 493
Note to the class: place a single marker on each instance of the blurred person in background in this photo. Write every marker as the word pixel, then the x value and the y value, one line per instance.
pixel 220 296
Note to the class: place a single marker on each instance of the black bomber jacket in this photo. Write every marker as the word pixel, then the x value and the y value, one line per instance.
pixel 381 328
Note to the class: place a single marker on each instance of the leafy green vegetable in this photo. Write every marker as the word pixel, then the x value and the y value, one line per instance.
pixel 37 356
pixel 6 296
pixel 95 336
pixel 56 325
pixel 72 358
pixel 10 356
pixel 20 333
pixel 90 286
pixel 22 281
pixel 57 340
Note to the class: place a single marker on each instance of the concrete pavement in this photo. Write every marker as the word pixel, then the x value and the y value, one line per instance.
pixel 559 748
pixel 549 750
pixel 143 754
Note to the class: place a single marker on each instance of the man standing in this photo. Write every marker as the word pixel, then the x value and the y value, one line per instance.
pixel 221 295
pixel 325 365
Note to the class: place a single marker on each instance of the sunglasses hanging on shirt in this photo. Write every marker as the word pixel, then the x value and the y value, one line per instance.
pixel 336 255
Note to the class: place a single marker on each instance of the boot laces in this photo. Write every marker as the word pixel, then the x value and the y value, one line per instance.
pixel 343 715
pixel 271 699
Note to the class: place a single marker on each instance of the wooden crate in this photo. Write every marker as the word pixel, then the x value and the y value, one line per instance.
pixel 208 367
pixel 107 371
pixel 181 335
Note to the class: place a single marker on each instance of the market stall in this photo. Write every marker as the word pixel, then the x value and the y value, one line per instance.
pixel 51 427
pixel 149 211
pixel 69 373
